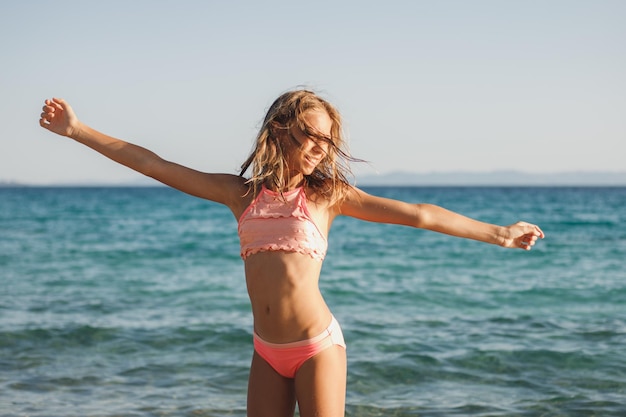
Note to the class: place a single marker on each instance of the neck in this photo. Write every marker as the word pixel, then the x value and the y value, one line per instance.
pixel 294 182
pixel 290 184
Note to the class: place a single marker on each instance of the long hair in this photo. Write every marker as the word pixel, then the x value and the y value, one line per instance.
pixel 268 159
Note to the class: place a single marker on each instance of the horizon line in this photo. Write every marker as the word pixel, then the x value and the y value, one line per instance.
pixel 406 178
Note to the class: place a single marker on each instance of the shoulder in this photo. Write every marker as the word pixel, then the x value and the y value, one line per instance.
pixel 228 189
pixel 241 193
pixel 353 197
pixel 327 192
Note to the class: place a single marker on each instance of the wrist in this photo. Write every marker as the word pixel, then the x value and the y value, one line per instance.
pixel 77 132
pixel 501 236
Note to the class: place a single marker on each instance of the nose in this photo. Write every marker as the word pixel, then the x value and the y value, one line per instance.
pixel 320 148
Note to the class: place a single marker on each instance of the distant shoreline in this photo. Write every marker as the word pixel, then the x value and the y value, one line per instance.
pixel 412 179
pixel 497 179
pixel 359 184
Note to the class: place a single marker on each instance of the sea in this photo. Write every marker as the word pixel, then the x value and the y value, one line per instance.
pixel 131 302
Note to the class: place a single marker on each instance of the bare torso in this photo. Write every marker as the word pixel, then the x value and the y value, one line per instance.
pixel 286 301
pixel 283 287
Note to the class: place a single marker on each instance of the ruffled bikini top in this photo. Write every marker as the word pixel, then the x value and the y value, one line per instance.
pixel 280 223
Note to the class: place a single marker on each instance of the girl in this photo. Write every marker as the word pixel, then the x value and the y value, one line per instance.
pixel 285 209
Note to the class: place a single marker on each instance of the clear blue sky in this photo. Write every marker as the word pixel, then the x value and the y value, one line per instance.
pixel 537 86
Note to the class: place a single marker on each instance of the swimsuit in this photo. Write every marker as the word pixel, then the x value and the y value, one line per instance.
pixel 287 358
pixel 283 223
pixel 280 223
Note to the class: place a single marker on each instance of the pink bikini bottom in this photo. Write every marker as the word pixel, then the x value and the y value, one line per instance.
pixel 287 358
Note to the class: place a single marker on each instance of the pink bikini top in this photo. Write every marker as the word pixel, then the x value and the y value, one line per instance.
pixel 275 223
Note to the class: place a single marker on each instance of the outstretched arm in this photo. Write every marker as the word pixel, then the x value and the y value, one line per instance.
pixel 427 216
pixel 59 117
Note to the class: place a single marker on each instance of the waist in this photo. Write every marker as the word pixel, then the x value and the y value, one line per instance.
pixel 284 294
pixel 284 322
pixel 333 327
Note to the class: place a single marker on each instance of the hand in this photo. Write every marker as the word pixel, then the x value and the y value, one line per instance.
pixel 58 117
pixel 522 235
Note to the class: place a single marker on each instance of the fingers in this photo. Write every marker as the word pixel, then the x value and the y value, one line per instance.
pixel 51 108
pixel 47 115
pixel 540 232
pixel 529 233
pixel 532 228
pixel 58 117
pixel 59 103
pixel 528 241
pixel 54 104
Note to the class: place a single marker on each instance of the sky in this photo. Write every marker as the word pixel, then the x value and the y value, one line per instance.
pixel 423 86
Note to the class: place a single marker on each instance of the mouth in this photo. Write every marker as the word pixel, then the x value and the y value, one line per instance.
pixel 312 161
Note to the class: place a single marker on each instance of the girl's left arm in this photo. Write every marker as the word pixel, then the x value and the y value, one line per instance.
pixel 367 207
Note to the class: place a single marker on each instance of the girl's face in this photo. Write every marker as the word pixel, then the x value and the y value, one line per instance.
pixel 307 151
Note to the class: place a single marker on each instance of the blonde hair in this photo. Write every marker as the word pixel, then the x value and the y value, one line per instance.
pixel 268 160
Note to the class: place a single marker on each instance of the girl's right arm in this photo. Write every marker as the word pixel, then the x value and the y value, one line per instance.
pixel 58 117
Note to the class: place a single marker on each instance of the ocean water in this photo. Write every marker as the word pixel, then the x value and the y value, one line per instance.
pixel 132 302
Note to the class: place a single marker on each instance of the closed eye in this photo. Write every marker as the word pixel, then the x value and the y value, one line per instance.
pixel 317 137
pixel 323 147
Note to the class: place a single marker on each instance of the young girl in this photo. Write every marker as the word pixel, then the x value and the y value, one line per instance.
pixel 285 209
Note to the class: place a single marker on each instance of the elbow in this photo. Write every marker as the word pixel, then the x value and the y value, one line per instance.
pixel 148 169
pixel 420 217
pixel 151 166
